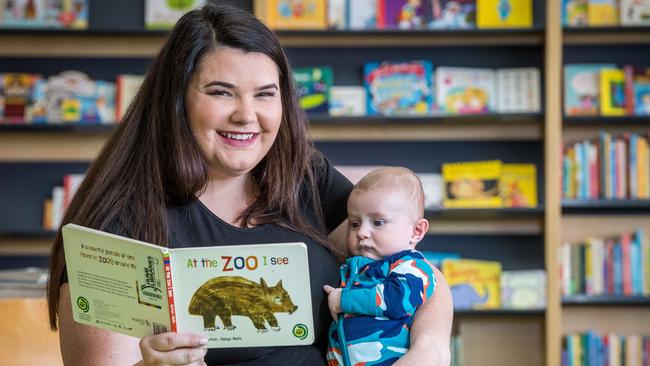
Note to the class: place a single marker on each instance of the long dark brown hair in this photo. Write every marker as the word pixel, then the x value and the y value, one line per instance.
pixel 152 159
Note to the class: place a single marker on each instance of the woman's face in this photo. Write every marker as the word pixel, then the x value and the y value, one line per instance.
pixel 234 109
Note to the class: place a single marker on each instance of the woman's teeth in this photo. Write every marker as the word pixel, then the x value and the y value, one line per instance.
pixel 237 136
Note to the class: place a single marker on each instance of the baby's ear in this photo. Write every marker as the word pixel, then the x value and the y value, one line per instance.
pixel 420 229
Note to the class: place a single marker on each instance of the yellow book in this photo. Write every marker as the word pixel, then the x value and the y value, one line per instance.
pixel 518 185
pixel 612 92
pixel 292 14
pixel 504 13
pixel 474 284
pixel 643 160
pixel 472 184
pixel 571 191
pixel 602 12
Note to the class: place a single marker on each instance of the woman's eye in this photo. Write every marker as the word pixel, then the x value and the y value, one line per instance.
pixel 378 223
pixel 220 93
pixel 266 94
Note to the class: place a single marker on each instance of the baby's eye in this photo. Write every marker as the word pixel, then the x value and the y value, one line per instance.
pixel 378 223
pixel 354 225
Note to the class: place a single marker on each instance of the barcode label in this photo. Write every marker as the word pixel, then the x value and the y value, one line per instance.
pixel 159 328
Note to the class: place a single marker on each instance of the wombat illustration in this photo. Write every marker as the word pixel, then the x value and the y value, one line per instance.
pixel 233 295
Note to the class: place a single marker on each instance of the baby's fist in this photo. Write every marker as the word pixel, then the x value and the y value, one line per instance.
pixel 333 300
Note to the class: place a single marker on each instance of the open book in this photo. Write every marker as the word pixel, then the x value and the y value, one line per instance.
pixel 236 296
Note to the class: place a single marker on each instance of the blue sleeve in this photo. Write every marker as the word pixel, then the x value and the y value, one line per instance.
pixel 409 283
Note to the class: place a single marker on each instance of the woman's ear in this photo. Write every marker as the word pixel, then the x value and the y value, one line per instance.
pixel 420 229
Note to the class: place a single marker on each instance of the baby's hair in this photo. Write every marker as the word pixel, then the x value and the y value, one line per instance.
pixel 400 179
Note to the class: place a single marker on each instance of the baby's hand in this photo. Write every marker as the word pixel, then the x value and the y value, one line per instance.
pixel 333 300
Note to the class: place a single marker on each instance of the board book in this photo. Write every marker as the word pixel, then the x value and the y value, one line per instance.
pixel 474 284
pixel 472 184
pixel 235 296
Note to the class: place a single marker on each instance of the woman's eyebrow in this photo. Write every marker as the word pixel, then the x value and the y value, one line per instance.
pixel 268 86
pixel 220 83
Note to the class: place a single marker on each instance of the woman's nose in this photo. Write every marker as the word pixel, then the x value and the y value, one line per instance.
pixel 244 112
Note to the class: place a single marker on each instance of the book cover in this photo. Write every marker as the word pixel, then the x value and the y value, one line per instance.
pixel 313 84
pixel 337 14
pixel 436 258
pixel 474 284
pixel 44 14
pixel 524 289
pixel 602 13
pixel 453 14
pixel 433 188
pixel 575 13
pixel 293 14
pixel 402 14
pixel 348 101
pixel 461 90
pixel 16 92
pixel 641 91
pixel 163 14
pixel 236 296
pixel 518 90
pixel 36 111
pixel 72 97
pixel 635 12
pixel 126 87
pixel 504 13
pixel 582 89
pixel 399 88
pixel 472 184
pixel 362 14
pixel 518 185
pixel 612 92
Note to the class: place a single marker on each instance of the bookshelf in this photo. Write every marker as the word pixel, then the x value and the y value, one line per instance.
pixel 604 218
pixel 32 156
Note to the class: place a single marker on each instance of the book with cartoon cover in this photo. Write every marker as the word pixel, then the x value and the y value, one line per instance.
pixel 474 284
pixel 236 296
pixel 472 184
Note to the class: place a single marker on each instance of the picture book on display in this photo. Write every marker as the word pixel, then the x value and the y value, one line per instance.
pixel 462 90
pixel 612 92
pixel 399 88
pixel 518 90
pixel 602 13
pixel 314 85
pixel 292 14
pixel 163 14
pixel 401 14
pixel 524 289
pixel 348 101
pixel 236 296
pixel 472 184
pixel 362 14
pixel 71 14
pixel 582 89
pixel 504 13
pixel 518 185
pixel 637 90
pixel 574 12
pixel 635 12
pixel 474 284
pixel 453 14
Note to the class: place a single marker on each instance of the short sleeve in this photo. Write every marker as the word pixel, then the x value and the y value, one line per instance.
pixel 334 190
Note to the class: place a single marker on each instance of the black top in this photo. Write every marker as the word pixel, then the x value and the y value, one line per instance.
pixel 194 225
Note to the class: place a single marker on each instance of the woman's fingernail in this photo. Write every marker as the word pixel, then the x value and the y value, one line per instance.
pixel 203 341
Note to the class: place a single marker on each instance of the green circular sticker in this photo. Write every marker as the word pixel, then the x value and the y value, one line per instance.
pixel 300 331
pixel 83 304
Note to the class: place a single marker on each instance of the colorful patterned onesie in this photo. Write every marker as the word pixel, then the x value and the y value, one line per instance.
pixel 379 299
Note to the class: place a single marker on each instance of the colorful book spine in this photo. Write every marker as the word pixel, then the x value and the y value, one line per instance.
pixel 170 292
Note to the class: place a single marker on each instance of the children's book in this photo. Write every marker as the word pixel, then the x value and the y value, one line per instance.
pixel 518 185
pixel 348 101
pixel 461 90
pixel 163 14
pixel 453 14
pixel 436 258
pixel 582 89
pixel 518 90
pixel 337 14
pixel 72 97
pixel 504 13
pixel 16 92
pixel 575 13
pixel 525 289
pixel 399 88
pixel 236 296
pixel 474 284
pixel 635 12
pixel 44 14
pixel 472 184
pixel 637 90
pixel 362 14
pixel 401 14
pixel 433 188
pixel 314 85
pixel 126 87
pixel 602 13
pixel 292 14
pixel 612 92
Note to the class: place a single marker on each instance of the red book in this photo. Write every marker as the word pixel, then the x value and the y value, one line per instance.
pixel 609 266
pixel 626 248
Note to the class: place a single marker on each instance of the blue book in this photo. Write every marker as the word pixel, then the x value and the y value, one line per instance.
pixel 618 269
pixel 436 258
pixel 633 166
pixel 399 88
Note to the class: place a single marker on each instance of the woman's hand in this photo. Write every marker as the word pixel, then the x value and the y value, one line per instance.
pixel 173 349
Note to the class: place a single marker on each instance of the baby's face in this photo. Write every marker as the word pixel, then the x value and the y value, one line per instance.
pixel 380 223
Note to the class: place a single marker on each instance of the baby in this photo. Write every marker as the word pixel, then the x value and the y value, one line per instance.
pixel 386 279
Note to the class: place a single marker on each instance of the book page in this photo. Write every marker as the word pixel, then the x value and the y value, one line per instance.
pixel 244 295
pixel 116 283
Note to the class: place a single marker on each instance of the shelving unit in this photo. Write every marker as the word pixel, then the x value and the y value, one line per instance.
pixel 32 157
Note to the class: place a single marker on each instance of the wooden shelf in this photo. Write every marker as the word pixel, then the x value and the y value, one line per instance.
pixel 466 213
pixel 605 300
pixel 593 36
pixel 59 127
pixel 500 313
pixel 605 206
pixel 607 121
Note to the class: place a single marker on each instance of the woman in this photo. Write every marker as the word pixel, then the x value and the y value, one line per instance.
pixel 214 151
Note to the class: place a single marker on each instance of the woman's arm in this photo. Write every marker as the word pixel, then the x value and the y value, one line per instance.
pixel 85 345
pixel 431 329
